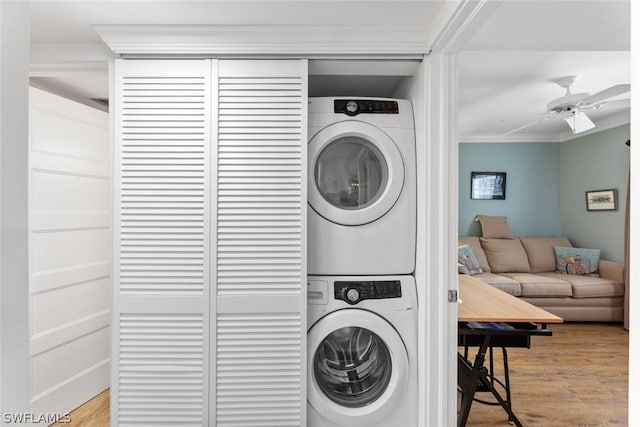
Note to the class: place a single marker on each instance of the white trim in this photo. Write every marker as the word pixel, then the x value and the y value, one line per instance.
pixel 15 368
pixel 634 233
pixel 603 125
pixel 510 138
pixel 303 40
pixel 465 18
pixel 438 205
pixel 53 69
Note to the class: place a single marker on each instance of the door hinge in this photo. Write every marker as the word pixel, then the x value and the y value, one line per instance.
pixel 453 295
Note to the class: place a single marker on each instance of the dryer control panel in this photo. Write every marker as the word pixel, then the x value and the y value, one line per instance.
pixel 352 292
pixel 353 107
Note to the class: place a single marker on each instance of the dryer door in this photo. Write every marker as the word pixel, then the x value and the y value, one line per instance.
pixel 356 173
pixel 357 367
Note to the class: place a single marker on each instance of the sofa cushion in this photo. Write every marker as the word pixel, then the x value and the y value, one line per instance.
pixel 590 286
pixel 579 261
pixel 505 255
pixel 503 283
pixel 542 257
pixel 467 258
pixel 494 227
pixel 535 285
pixel 474 244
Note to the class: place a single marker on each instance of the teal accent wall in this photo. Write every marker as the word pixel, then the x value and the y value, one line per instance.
pixel 594 162
pixel 546 185
pixel 532 198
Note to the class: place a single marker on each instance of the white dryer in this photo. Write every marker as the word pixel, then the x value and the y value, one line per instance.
pixel 361 187
pixel 362 351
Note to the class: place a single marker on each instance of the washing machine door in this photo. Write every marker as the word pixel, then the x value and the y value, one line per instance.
pixel 356 173
pixel 358 368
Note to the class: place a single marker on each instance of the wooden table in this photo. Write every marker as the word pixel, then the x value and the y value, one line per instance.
pixel 481 302
pixel 484 303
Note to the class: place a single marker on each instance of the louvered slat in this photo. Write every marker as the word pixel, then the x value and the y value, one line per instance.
pixel 260 206
pixel 258 365
pixel 247 162
pixel 161 376
pixel 161 203
pixel 172 170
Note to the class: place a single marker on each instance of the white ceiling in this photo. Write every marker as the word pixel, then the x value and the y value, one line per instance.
pixel 63 34
pixel 505 69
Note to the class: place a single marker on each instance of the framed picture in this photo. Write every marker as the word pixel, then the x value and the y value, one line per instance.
pixel 488 185
pixel 602 200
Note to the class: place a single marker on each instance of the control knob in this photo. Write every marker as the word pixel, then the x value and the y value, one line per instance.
pixel 353 295
pixel 352 106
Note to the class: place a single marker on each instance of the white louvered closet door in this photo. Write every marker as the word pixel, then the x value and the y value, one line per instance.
pixel 162 214
pixel 260 318
pixel 209 244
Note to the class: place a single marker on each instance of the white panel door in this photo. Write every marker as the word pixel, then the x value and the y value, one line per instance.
pixel 161 243
pixel 260 206
pixel 69 252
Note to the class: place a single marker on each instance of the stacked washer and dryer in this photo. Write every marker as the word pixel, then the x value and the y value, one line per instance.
pixel 362 299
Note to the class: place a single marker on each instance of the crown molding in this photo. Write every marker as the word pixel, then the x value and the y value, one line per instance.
pixel 500 138
pixel 195 40
pixel 602 125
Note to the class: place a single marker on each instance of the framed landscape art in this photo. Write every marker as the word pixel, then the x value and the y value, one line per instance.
pixel 602 200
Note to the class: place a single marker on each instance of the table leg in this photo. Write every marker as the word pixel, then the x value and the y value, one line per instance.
pixel 468 377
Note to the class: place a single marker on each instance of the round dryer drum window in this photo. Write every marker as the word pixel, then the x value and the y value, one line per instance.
pixel 352 367
pixel 356 173
pixel 351 173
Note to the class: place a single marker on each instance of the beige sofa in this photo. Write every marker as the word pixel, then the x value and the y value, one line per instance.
pixel 526 267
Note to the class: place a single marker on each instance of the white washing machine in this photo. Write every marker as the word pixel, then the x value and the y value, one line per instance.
pixel 362 350
pixel 361 187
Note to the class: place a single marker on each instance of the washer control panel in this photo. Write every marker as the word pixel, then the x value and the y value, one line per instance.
pixel 353 107
pixel 352 292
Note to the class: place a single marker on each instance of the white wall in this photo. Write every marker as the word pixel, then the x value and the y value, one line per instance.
pixel 69 252
pixel 14 85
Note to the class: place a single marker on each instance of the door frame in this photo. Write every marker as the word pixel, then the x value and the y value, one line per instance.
pixel 435 109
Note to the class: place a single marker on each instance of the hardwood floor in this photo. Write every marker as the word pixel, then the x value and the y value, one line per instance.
pixel 577 377
pixel 94 413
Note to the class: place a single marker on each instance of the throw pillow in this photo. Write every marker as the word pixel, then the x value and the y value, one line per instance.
pixel 467 258
pixel 542 257
pixel 494 227
pixel 577 261
pixel 476 247
pixel 505 255
pixel 462 269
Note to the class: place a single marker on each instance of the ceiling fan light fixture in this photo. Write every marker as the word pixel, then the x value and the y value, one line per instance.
pixel 579 122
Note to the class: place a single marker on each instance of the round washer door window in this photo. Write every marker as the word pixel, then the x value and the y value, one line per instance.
pixel 352 366
pixel 356 173
pixel 358 367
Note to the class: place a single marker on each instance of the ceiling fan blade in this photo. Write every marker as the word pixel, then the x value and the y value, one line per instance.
pixel 619 103
pixel 527 125
pixel 606 94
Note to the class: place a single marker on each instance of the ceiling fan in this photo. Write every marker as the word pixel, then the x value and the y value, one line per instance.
pixel 571 106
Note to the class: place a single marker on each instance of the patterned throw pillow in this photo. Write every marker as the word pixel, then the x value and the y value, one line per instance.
pixel 577 261
pixel 467 258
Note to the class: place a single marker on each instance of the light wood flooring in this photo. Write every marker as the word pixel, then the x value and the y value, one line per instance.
pixel 577 377
pixel 94 413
